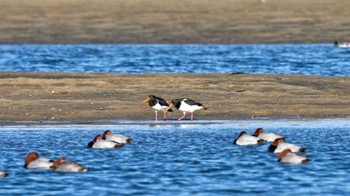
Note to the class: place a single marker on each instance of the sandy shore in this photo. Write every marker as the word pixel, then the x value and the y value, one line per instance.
pixel 174 21
pixel 72 97
pixel 42 97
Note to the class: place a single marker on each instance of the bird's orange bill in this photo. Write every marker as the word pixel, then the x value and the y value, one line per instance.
pixel 169 107
pixel 144 101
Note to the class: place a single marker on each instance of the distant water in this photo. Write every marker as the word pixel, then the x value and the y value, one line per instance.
pixel 179 159
pixel 308 59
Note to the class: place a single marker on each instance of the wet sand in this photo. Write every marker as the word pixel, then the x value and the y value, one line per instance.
pixel 169 21
pixel 75 98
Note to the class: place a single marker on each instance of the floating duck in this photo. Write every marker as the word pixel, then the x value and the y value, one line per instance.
pixel 287 156
pixel 279 145
pixel 63 165
pixel 269 137
pixel 3 174
pixel 34 161
pixel 186 105
pixel 98 142
pixel 122 139
pixel 245 139
pixel 158 104
pixel 342 44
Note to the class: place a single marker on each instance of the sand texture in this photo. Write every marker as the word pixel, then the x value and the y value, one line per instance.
pixel 91 97
pixel 174 21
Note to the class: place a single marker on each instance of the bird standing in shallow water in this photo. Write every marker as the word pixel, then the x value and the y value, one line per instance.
pixel 186 105
pixel 158 104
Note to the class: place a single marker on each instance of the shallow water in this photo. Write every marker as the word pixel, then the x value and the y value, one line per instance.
pixel 178 158
pixel 308 59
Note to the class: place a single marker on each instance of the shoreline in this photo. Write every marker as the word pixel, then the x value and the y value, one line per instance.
pixel 113 122
pixel 80 97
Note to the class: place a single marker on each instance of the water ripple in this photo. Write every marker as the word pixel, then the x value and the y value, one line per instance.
pixel 173 159
pixel 308 59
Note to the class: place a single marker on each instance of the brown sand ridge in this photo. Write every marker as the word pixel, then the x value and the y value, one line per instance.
pixel 78 97
pixel 174 21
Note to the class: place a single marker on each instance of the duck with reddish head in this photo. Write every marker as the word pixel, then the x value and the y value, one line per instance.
pixel 33 160
pixel 279 145
pixel 63 165
pixel 287 156
pixel 121 139
pixel 245 139
pixel 269 137
pixel 98 142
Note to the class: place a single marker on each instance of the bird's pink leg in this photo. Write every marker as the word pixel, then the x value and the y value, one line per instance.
pixel 182 117
pixel 156 116
pixel 164 116
pixel 191 116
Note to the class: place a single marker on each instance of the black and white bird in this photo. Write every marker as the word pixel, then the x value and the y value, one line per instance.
pixel 158 104
pixel 186 105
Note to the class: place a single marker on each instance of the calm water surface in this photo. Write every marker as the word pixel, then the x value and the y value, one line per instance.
pixel 179 159
pixel 308 59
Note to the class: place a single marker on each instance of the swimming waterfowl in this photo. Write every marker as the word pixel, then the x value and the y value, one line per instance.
pixel 279 145
pixel 245 139
pixel 186 105
pixel 342 44
pixel 287 156
pixel 3 174
pixel 122 139
pixel 34 161
pixel 158 104
pixel 98 142
pixel 63 165
pixel 269 137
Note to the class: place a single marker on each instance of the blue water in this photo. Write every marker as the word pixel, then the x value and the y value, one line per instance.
pixel 308 59
pixel 179 159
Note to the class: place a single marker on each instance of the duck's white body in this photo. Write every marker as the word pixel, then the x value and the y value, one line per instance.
pixel 294 148
pixel 3 174
pixel 344 45
pixel 292 158
pixel 121 139
pixel 68 166
pixel 40 163
pixel 269 137
pixel 245 139
pixel 106 144
pixel 287 156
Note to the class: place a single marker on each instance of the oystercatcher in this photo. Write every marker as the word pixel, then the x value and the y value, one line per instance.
pixel 186 105
pixel 158 104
